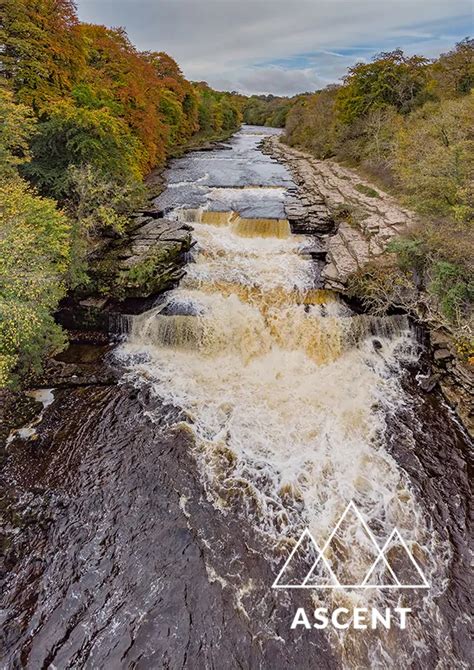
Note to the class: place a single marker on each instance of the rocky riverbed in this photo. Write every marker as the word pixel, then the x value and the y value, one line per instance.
pixel 367 218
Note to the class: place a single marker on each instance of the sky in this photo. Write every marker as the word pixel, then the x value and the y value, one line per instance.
pixel 282 47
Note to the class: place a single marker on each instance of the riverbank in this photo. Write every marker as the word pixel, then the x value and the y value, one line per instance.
pixel 356 221
pixel 147 258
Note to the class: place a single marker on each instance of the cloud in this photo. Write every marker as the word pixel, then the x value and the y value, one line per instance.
pixel 254 45
pixel 279 81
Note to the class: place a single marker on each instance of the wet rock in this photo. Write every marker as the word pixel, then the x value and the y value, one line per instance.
pixel 84 317
pixel 317 249
pixel 328 192
pixel 153 213
pixel 16 409
pixel 61 374
pixel 460 396
pixel 97 303
pixel 429 383
pixel 137 220
pixel 440 339
pixel 332 199
pixel 442 355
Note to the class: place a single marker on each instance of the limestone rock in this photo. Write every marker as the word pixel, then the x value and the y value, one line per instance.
pixel 146 263
pixel 334 199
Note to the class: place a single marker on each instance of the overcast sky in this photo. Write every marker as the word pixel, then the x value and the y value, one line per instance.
pixel 282 46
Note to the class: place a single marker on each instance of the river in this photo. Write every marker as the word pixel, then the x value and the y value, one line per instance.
pixel 252 405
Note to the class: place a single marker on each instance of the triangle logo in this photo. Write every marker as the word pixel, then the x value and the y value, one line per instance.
pixel 304 554
pixel 401 563
pixel 350 532
pixel 392 567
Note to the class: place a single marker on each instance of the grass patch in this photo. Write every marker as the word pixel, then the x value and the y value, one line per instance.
pixel 367 190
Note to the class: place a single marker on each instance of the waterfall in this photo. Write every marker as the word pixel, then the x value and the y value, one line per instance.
pixel 286 391
pixel 278 372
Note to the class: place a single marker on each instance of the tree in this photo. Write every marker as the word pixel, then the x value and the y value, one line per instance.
pixel 34 257
pixel 42 49
pixel 310 123
pixel 79 136
pixel 434 158
pixel 392 79
pixel 454 71
pixel 17 125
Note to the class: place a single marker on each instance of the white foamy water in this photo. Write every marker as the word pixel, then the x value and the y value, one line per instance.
pixel 287 394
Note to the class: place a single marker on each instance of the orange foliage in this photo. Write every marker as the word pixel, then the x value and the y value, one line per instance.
pixel 93 77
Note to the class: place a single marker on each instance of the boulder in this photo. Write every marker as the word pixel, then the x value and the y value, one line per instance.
pixel 146 263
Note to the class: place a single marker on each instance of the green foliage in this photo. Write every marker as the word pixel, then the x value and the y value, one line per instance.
pixel 367 190
pixel 452 288
pixel 310 123
pixel 99 100
pixel 391 80
pixel 217 112
pixel 411 253
pixel 84 116
pixel 101 205
pixel 434 158
pixel 42 51
pixel 453 72
pixel 267 110
pixel 34 258
pixel 410 124
pixel 80 136
pixel 443 265
pixel 17 125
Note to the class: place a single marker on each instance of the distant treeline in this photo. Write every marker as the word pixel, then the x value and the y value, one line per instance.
pixel 408 123
pixel 84 116
pixel 268 110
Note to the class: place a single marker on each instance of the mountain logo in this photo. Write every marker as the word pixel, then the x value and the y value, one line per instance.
pixel 391 567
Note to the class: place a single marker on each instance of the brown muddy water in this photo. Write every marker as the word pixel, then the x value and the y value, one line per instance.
pixel 147 520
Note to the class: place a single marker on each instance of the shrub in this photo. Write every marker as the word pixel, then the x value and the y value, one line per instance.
pixel 79 136
pixel 390 80
pixel 367 190
pixel 17 125
pixel 310 123
pixel 453 290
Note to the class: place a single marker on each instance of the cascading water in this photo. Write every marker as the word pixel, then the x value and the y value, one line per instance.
pixel 286 393
pixel 149 518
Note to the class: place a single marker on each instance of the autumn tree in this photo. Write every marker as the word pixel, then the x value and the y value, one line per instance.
pixel 34 255
pixel 310 122
pixel 42 49
pixel 17 124
pixel 434 158
pixel 82 136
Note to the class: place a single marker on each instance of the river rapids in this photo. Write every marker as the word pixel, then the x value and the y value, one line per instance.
pixel 253 405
